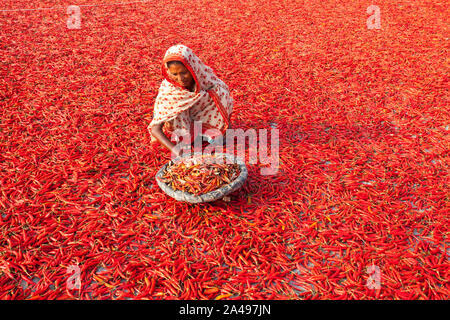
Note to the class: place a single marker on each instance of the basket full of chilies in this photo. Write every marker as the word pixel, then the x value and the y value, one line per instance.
pixel 197 177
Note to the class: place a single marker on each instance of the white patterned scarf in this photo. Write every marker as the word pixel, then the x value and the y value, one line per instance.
pixel 210 102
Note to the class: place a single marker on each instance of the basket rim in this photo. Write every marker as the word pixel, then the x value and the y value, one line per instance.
pixel 209 196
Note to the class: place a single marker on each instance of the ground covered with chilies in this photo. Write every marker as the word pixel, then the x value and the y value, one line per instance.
pixel 362 116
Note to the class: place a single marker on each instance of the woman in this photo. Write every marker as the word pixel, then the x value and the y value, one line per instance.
pixel 190 92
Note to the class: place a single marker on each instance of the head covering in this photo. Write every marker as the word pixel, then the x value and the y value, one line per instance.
pixel 210 102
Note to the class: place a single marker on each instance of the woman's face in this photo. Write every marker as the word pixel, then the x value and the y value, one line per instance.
pixel 180 74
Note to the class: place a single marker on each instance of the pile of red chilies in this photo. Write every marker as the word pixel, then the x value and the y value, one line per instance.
pixel 200 177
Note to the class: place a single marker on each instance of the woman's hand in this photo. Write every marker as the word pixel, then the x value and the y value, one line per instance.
pixel 159 135
pixel 175 151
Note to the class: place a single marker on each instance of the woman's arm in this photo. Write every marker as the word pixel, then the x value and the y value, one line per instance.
pixel 158 133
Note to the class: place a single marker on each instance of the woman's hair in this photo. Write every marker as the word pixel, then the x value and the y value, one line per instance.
pixel 174 62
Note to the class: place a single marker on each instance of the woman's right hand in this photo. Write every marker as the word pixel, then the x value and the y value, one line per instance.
pixel 159 135
pixel 175 151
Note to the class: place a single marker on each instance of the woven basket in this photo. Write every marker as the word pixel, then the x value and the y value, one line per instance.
pixel 210 196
